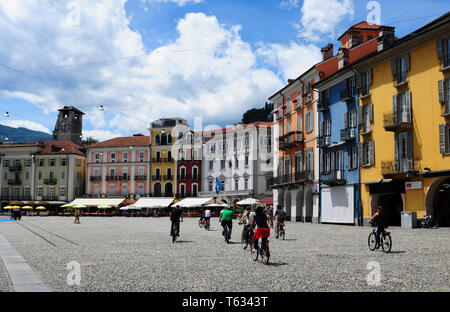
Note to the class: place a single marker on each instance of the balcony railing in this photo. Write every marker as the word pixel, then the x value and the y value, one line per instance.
pixel 96 178
pixel 391 168
pixel 323 104
pixel 110 178
pixel 393 122
pixel 292 139
pixel 168 177
pixel 324 141
pixel 298 177
pixel 14 181
pixel 140 177
pixel 348 134
pixel 15 167
pixel 51 181
pixel 157 178
pixel 335 177
pixel 347 94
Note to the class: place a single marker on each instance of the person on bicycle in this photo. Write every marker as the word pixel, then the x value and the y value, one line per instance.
pixel 379 220
pixel 247 219
pixel 202 216
pixel 271 216
pixel 280 214
pixel 262 228
pixel 207 216
pixel 226 218
pixel 175 216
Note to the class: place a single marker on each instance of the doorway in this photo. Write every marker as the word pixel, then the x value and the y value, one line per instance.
pixel 393 207
pixel 441 205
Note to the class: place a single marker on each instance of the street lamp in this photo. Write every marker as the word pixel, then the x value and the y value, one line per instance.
pixel 6 114
pixel 101 108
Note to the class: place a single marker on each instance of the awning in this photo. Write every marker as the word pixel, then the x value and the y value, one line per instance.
pixel 248 201
pixel 196 202
pixel 266 201
pixel 94 202
pixel 154 202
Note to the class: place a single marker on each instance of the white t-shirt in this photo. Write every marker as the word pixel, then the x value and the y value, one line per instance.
pixel 208 213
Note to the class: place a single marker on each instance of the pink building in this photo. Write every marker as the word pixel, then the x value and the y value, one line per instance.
pixel 119 167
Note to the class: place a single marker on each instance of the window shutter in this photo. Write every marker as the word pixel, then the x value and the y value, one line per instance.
pixel 345 120
pixel 321 162
pixel 341 166
pixel 360 115
pixel 394 107
pixel 371 112
pixel 358 80
pixel 394 68
pixel 442 136
pixel 441 91
pixel 408 104
pixel 329 127
pixel 440 51
pixel 369 77
pixel 372 153
pixel 361 153
pixel 333 161
pixel 328 95
pixel 407 62
pixel 396 148
pixel 409 149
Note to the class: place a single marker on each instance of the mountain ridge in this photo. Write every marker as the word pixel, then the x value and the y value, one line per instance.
pixel 22 135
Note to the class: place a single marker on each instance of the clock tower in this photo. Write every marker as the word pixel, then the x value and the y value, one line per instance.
pixel 69 126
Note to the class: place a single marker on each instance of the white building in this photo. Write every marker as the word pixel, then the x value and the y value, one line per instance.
pixel 241 158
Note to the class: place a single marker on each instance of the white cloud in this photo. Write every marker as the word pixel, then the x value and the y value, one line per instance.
pixel 289 4
pixel 291 60
pixel 321 17
pixel 102 135
pixel 26 124
pixel 177 2
pixel 218 84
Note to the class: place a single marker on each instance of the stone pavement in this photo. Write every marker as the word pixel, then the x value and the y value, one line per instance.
pixel 22 276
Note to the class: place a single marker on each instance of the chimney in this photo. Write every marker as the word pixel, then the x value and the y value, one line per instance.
pixel 327 52
pixel 290 81
pixel 386 38
pixel 343 58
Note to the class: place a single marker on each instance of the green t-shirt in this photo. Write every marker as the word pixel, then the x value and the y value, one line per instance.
pixel 227 215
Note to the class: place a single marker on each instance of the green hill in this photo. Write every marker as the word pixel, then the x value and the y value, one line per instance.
pixel 22 135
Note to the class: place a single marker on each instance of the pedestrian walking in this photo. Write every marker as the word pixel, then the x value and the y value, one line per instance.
pixel 77 216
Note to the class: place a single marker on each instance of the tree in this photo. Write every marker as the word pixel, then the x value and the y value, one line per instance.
pixel 89 141
pixel 258 114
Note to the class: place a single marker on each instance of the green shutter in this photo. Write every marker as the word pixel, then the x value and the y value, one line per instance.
pixel 394 107
pixel 442 136
pixel 394 68
pixel 372 153
pixel 361 153
pixel 441 91
pixel 408 105
pixel 439 48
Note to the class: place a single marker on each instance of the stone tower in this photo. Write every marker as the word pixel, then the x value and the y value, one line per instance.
pixel 69 126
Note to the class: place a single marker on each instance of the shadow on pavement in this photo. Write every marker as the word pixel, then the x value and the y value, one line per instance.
pixel 288 239
pixel 182 241
pixel 397 252
pixel 277 263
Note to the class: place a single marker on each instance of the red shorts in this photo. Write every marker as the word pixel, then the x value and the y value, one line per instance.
pixel 261 233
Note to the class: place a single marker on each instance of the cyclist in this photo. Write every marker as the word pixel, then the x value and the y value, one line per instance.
pixel 271 216
pixel 280 214
pixel 207 216
pixel 379 220
pixel 262 228
pixel 175 216
pixel 247 219
pixel 202 216
pixel 226 218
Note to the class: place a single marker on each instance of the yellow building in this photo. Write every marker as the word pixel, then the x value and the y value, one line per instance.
pixel 404 105
pixel 164 133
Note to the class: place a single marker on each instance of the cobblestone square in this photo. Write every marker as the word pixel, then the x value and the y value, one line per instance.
pixel 136 254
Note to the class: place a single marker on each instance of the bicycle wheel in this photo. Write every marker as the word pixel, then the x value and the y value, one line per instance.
pixel 265 255
pixel 372 241
pixel 255 254
pixel 283 233
pixel 386 243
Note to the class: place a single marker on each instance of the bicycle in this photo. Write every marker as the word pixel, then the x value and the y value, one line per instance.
pixel 270 222
pixel 262 251
pixel 428 222
pixel 226 234
pixel 385 241
pixel 201 224
pixel 173 232
pixel 247 235
pixel 207 225
pixel 281 232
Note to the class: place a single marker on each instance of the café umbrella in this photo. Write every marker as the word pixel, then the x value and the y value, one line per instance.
pixel 8 207
pixel 27 207
pixel 40 208
pixel 104 207
pixel 66 206
pixel 79 207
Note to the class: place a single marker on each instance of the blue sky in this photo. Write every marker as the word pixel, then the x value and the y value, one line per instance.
pixel 262 43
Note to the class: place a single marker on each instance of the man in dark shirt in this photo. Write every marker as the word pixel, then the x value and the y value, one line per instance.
pixel 175 216
pixel 280 214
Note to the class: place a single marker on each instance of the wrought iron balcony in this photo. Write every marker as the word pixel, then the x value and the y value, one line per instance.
pixel 15 167
pixel 323 104
pixel 51 181
pixel 347 94
pixel 348 134
pixel 390 168
pixel 288 179
pixel 168 177
pixel 140 177
pixel 15 182
pixel 335 177
pixel 157 178
pixel 96 178
pixel 111 178
pixel 292 139
pixel 394 122
pixel 324 141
